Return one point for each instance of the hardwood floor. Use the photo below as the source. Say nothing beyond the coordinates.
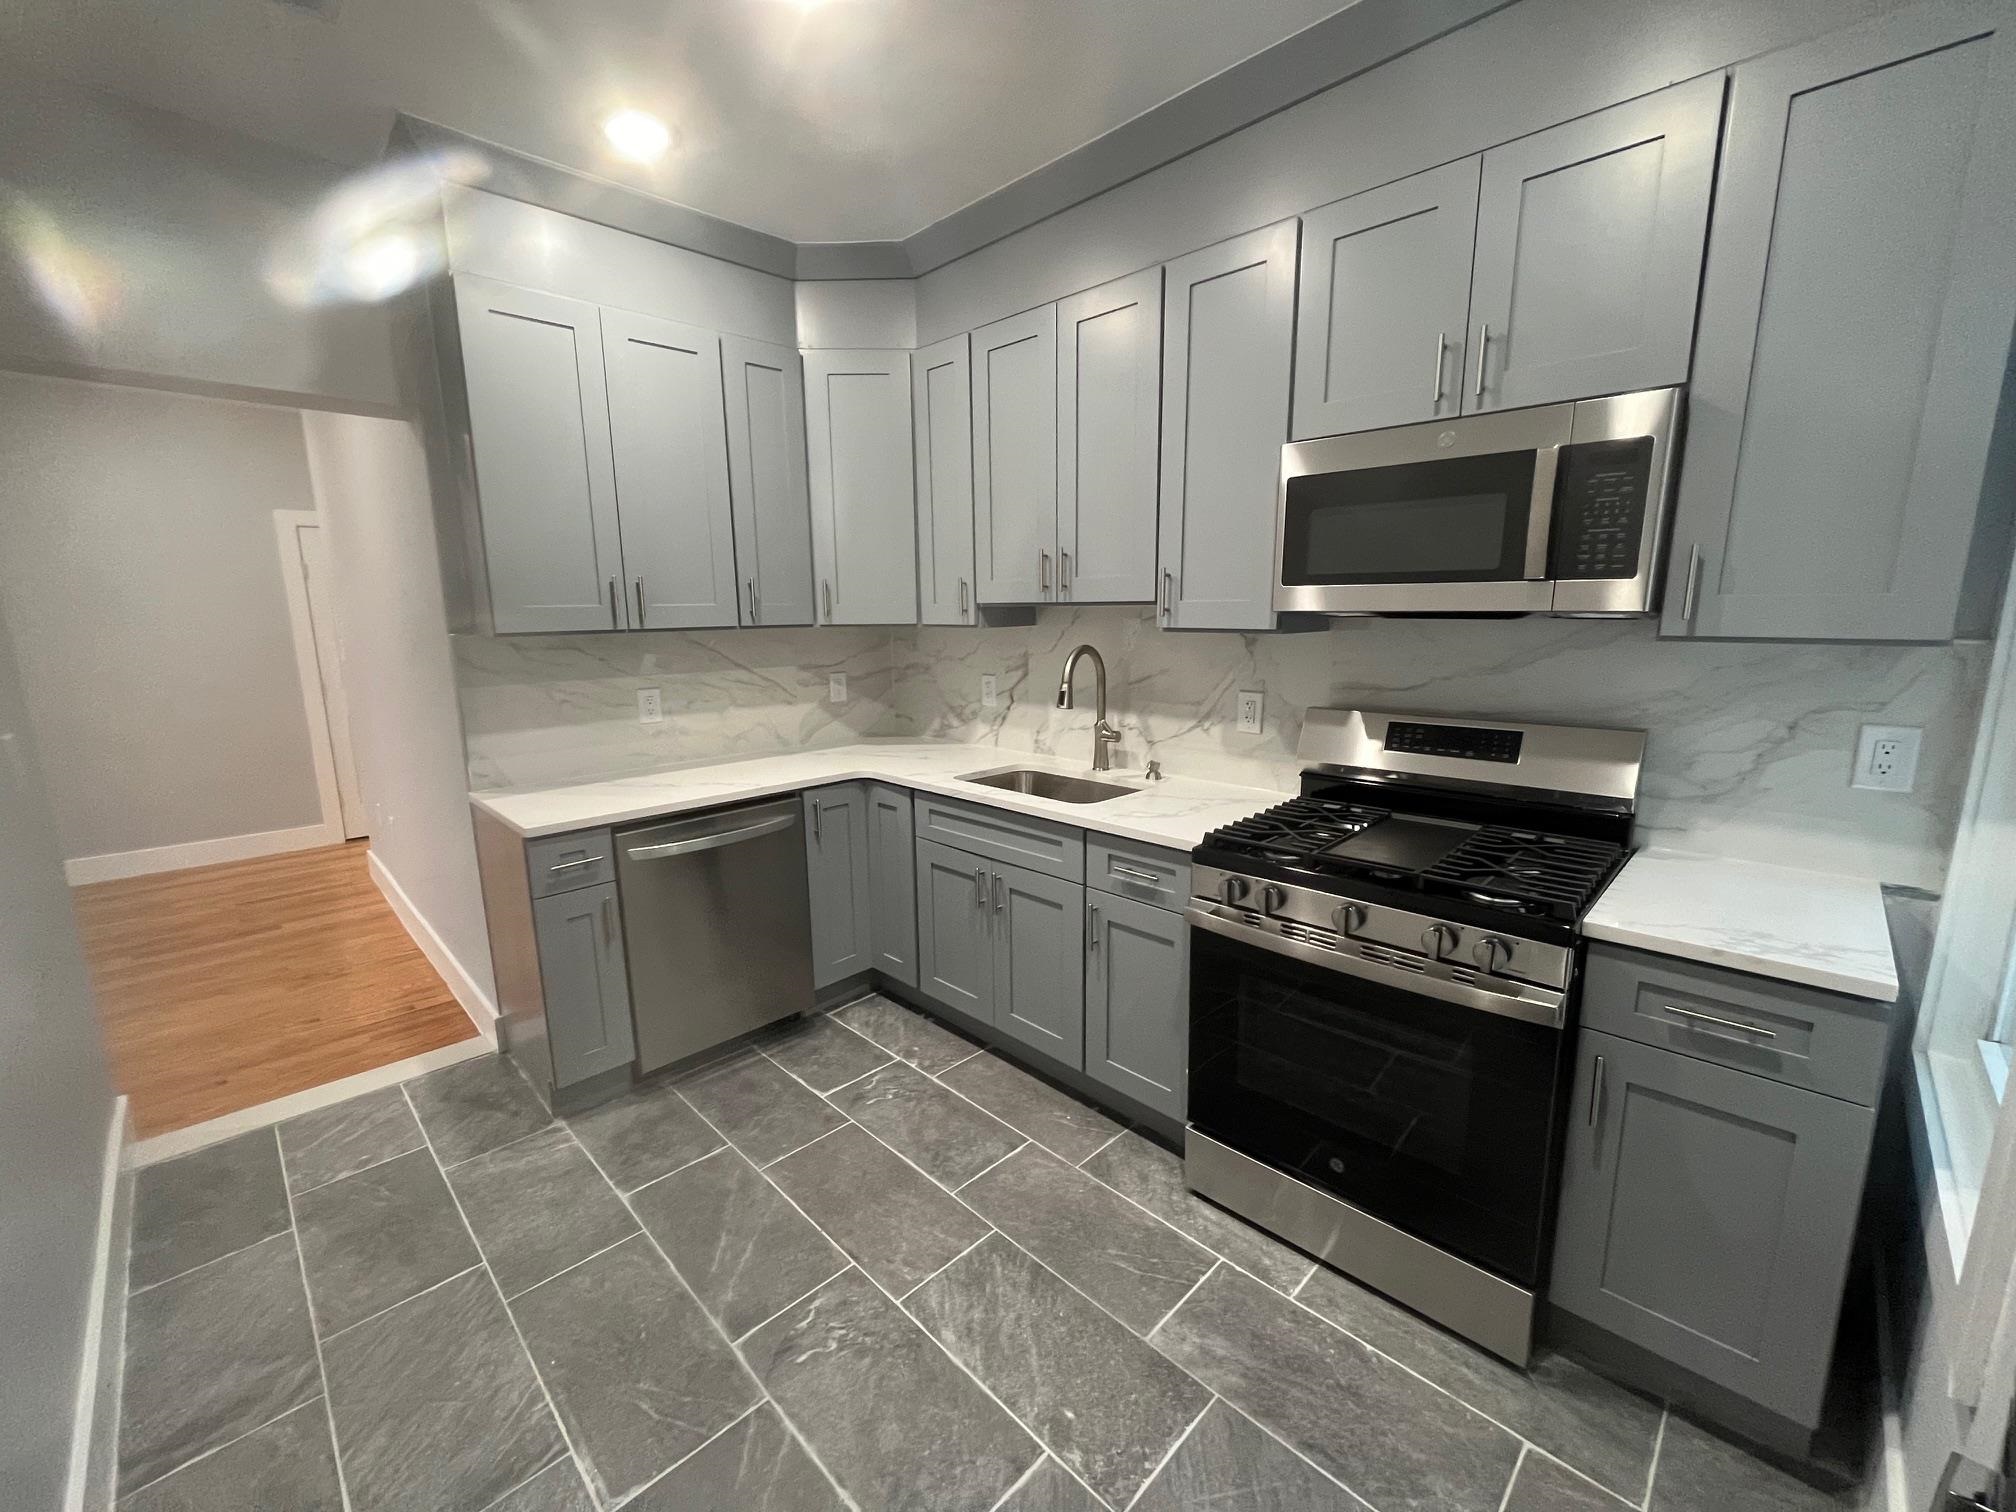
(221, 987)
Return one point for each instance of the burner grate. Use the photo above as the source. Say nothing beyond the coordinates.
(1525, 870)
(1296, 829)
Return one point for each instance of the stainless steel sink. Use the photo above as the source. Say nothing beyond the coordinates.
(1049, 785)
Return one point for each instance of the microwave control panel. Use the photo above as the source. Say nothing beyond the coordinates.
(1599, 509)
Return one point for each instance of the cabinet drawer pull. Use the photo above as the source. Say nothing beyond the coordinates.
(1063, 572)
(1688, 599)
(979, 887)
(570, 865)
(1483, 347)
(1042, 570)
(1596, 1092)
(1441, 352)
(640, 603)
(1092, 932)
(818, 829)
(962, 597)
(997, 892)
(615, 609)
(1168, 594)
(1132, 874)
(1720, 1023)
(826, 594)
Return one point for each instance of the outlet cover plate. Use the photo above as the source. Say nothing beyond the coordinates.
(650, 706)
(990, 690)
(836, 687)
(1252, 711)
(1886, 758)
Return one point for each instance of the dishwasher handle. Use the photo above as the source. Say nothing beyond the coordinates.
(709, 842)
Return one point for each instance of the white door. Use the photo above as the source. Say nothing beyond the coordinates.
(318, 657)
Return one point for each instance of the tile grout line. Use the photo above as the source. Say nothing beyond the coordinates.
(369, 1166)
(1194, 1287)
(1020, 1481)
(431, 1286)
(754, 1408)
(1658, 1448)
(548, 1127)
(1080, 1164)
(1026, 1142)
(1017, 1128)
(553, 1410)
(779, 1159)
(753, 1327)
(526, 1291)
(912, 1291)
(1513, 1479)
(220, 1448)
(683, 1165)
(514, 1490)
(1327, 1475)
(141, 1291)
(315, 1334)
(1535, 1451)
(1162, 1464)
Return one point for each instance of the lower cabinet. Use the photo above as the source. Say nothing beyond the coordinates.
(1137, 1000)
(579, 935)
(836, 862)
(1039, 939)
(1707, 1215)
(955, 936)
(892, 883)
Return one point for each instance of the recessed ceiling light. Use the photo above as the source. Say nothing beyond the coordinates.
(637, 135)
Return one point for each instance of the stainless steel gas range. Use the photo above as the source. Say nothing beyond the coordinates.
(1382, 985)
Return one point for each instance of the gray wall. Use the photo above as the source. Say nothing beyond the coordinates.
(159, 230)
(55, 1106)
(371, 479)
(141, 580)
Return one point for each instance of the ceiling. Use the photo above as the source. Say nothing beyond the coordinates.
(814, 120)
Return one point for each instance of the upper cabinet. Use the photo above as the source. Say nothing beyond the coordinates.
(539, 439)
(1855, 322)
(766, 473)
(941, 414)
(1015, 458)
(858, 443)
(1228, 329)
(1559, 266)
(1109, 406)
(671, 458)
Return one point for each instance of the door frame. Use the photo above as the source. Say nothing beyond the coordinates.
(338, 819)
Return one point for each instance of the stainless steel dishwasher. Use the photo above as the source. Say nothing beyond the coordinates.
(717, 926)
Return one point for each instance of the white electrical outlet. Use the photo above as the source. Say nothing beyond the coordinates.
(650, 706)
(990, 690)
(1252, 709)
(1886, 758)
(836, 687)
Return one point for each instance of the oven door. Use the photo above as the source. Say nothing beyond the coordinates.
(1435, 1116)
(1446, 518)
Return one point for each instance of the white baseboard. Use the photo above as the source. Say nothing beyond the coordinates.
(475, 1002)
(94, 1430)
(139, 863)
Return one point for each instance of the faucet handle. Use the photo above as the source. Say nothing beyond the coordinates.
(1154, 772)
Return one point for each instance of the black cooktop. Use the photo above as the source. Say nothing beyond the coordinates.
(1536, 873)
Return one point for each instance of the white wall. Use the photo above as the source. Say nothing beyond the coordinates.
(141, 580)
(55, 1106)
(154, 232)
(862, 312)
(371, 481)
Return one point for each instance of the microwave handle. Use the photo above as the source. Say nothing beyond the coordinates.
(1540, 517)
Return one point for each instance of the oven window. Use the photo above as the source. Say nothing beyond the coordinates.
(1434, 1117)
(1462, 519)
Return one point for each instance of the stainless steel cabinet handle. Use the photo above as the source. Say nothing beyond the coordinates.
(1168, 594)
(1042, 570)
(609, 921)
(640, 603)
(1092, 931)
(570, 865)
(1134, 875)
(962, 596)
(1483, 346)
(1063, 572)
(1596, 1092)
(752, 600)
(615, 609)
(1441, 351)
(818, 830)
(1687, 599)
(710, 842)
(979, 887)
(1721, 1023)
(826, 594)
(997, 892)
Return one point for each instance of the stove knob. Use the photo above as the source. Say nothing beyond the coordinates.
(1348, 917)
(1491, 952)
(1272, 898)
(1233, 889)
(1438, 938)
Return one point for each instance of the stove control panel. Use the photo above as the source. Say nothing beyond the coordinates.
(1471, 742)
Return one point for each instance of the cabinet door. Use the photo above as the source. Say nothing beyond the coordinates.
(1015, 458)
(1109, 408)
(955, 930)
(1039, 943)
(1381, 304)
(766, 478)
(670, 439)
(539, 423)
(1707, 1215)
(1589, 244)
(892, 882)
(1228, 329)
(941, 396)
(1137, 1000)
(836, 846)
(586, 986)
(864, 506)
(1854, 325)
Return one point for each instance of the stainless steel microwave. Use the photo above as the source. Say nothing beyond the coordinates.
(1558, 509)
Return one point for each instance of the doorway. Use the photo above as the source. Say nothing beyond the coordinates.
(311, 609)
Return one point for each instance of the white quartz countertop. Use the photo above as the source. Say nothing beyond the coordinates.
(1813, 928)
(1176, 811)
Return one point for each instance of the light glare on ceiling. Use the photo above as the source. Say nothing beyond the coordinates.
(637, 135)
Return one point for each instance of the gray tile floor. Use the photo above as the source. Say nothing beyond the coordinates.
(861, 1264)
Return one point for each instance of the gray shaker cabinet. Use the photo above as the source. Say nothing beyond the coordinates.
(1228, 331)
(1855, 324)
(1039, 941)
(1383, 302)
(1015, 458)
(669, 438)
(955, 930)
(1589, 247)
(941, 397)
(836, 854)
(580, 942)
(765, 401)
(864, 506)
(1707, 1215)
(892, 882)
(1109, 405)
(539, 439)
(1137, 1002)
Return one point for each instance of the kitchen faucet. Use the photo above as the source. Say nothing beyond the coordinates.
(1103, 734)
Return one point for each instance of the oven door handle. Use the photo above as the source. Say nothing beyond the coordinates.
(1541, 1005)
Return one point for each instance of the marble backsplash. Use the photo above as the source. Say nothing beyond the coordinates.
(1748, 754)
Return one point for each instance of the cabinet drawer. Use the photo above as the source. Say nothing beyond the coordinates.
(561, 863)
(1792, 1034)
(1129, 869)
(1056, 850)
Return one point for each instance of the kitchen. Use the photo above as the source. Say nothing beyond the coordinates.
(1315, 789)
